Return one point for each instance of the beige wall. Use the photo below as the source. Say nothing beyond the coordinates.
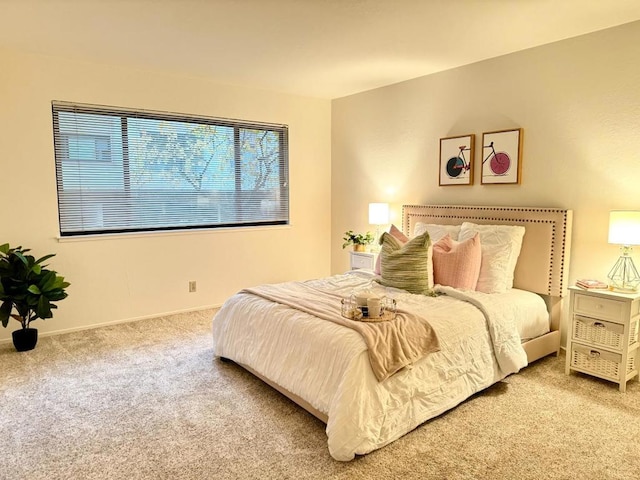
(125, 278)
(578, 102)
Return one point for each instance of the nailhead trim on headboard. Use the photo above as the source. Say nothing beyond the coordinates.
(558, 242)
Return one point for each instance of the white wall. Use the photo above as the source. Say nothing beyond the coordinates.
(124, 278)
(578, 102)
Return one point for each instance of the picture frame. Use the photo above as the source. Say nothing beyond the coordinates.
(456, 160)
(502, 157)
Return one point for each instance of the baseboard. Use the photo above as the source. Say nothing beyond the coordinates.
(116, 322)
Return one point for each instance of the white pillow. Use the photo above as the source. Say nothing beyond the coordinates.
(436, 232)
(501, 246)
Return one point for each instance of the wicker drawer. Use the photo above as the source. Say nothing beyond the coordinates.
(599, 362)
(603, 333)
(598, 307)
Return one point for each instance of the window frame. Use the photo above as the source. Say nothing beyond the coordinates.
(62, 138)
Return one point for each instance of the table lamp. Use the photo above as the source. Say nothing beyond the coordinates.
(624, 230)
(378, 215)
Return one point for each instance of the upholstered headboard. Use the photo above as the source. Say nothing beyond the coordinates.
(544, 258)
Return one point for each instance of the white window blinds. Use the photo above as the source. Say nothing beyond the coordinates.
(120, 170)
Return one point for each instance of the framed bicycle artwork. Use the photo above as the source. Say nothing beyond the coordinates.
(456, 160)
(502, 157)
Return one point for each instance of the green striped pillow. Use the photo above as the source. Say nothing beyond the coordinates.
(406, 266)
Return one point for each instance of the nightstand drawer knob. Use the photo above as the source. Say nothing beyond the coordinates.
(594, 354)
(599, 325)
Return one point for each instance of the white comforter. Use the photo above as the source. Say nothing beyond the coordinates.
(327, 364)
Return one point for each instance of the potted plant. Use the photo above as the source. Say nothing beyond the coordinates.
(358, 240)
(27, 292)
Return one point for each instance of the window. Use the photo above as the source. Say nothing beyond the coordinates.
(120, 170)
(86, 147)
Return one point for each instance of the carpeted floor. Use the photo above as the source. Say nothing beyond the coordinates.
(146, 400)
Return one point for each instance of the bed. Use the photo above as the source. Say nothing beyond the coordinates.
(483, 337)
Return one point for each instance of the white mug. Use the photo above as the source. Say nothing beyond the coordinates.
(374, 304)
(361, 298)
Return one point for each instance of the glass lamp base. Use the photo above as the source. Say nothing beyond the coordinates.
(624, 275)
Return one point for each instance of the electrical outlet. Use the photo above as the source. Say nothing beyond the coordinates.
(192, 286)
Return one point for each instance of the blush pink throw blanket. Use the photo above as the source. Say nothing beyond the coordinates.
(391, 345)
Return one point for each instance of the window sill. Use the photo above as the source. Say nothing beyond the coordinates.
(169, 233)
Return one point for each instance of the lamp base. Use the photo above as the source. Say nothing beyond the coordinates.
(376, 243)
(624, 275)
(613, 288)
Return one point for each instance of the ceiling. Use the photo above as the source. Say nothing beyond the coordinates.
(317, 48)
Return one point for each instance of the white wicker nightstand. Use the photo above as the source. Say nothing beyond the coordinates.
(358, 260)
(603, 340)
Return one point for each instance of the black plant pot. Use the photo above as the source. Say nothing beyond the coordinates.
(25, 339)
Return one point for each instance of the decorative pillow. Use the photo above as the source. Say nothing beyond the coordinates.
(457, 264)
(436, 232)
(500, 250)
(407, 266)
(398, 235)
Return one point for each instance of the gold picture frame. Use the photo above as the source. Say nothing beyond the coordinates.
(502, 157)
(456, 160)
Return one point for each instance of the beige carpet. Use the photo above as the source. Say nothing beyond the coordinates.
(146, 400)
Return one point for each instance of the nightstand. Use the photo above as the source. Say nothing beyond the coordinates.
(358, 260)
(603, 340)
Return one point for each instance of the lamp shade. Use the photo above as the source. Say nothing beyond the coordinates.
(624, 227)
(378, 213)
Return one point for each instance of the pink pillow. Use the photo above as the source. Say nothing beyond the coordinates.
(457, 264)
(398, 235)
